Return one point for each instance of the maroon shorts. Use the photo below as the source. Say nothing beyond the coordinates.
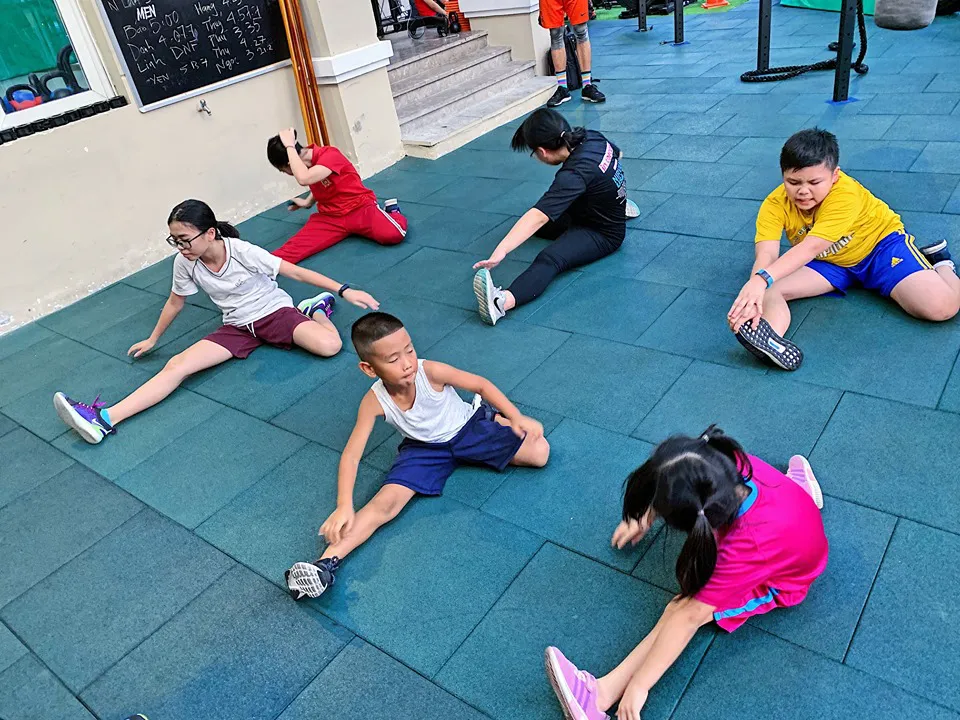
(275, 329)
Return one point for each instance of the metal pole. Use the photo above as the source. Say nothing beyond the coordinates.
(841, 80)
(763, 36)
(378, 18)
(677, 22)
(642, 15)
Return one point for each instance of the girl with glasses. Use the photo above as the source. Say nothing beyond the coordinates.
(241, 279)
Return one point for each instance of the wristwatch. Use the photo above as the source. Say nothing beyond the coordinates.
(768, 278)
(343, 289)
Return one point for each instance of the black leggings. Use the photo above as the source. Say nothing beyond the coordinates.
(572, 247)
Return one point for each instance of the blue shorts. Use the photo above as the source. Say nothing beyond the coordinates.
(425, 467)
(894, 258)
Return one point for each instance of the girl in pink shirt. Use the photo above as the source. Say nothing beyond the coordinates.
(755, 541)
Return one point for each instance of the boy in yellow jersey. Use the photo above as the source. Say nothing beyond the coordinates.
(841, 236)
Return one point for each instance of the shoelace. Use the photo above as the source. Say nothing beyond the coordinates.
(94, 406)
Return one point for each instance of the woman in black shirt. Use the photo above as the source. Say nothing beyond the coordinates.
(583, 212)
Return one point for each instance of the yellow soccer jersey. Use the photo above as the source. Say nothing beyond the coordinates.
(850, 217)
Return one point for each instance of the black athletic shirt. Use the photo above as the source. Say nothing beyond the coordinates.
(590, 187)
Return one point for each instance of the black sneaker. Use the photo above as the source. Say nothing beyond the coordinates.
(629, 15)
(937, 253)
(766, 345)
(559, 97)
(311, 579)
(591, 93)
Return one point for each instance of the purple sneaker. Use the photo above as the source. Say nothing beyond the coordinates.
(576, 689)
(324, 301)
(87, 420)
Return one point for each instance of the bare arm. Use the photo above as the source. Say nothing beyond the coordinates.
(436, 7)
(304, 175)
(682, 619)
(766, 252)
(171, 309)
(443, 374)
(522, 231)
(356, 297)
(341, 519)
(796, 257)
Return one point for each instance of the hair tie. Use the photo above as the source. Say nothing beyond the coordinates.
(562, 133)
(700, 512)
(705, 438)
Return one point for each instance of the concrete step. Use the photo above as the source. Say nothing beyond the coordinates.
(442, 131)
(458, 98)
(411, 57)
(471, 71)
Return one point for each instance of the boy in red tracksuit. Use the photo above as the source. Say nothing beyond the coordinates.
(344, 205)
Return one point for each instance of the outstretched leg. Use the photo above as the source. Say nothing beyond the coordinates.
(94, 421)
(382, 508)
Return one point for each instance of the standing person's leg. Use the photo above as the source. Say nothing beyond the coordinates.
(95, 421)
(552, 17)
(320, 232)
(579, 12)
(575, 247)
(375, 223)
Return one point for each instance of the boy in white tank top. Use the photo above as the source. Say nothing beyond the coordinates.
(441, 431)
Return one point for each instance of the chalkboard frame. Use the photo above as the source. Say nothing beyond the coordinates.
(108, 26)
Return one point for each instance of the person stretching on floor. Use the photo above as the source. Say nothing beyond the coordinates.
(553, 15)
(345, 206)
(441, 431)
(584, 212)
(842, 237)
(240, 278)
(755, 542)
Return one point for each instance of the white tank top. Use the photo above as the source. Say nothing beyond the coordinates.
(435, 417)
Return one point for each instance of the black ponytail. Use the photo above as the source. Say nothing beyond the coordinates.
(198, 214)
(692, 484)
(227, 230)
(547, 129)
(698, 557)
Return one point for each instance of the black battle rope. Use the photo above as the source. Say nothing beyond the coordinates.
(791, 71)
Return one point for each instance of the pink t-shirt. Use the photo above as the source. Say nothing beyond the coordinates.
(770, 555)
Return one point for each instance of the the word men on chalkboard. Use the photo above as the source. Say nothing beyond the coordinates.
(174, 47)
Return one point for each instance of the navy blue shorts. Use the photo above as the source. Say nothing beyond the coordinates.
(894, 258)
(425, 467)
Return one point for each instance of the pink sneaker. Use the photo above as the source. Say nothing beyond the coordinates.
(802, 474)
(576, 689)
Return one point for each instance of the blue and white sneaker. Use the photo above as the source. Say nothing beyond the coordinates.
(311, 579)
(938, 254)
(324, 301)
(86, 420)
(633, 210)
(391, 206)
(490, 298)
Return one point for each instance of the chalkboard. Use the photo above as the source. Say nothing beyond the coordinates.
(176, 47)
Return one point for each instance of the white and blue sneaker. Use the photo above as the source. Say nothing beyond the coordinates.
(324, 301)
(633, 210)
(490, 298)
(938, 254)
(311, 580)
(391, 206)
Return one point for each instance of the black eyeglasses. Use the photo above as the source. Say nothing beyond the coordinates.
(182, 244)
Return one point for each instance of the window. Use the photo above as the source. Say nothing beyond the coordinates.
(48, 62)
